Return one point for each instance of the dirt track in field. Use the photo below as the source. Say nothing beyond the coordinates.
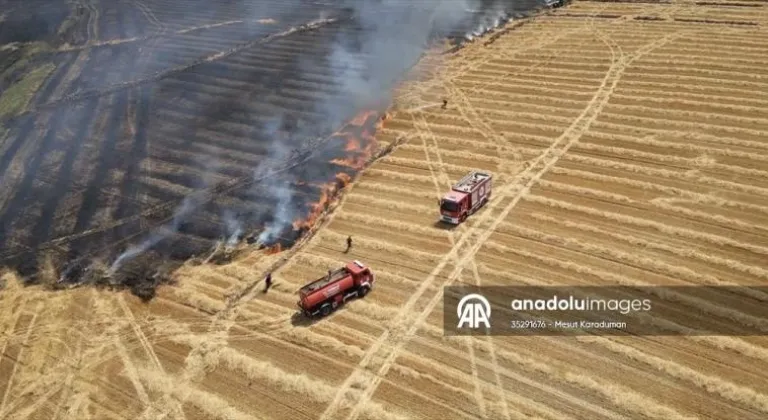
(628, 143)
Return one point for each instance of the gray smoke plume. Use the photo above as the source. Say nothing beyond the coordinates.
(187, 207)
(234, 228)
(489, 19)
(394, 35)
(367, 63)
(278, 189)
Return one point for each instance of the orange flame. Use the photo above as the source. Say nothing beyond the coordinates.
(317, 209)
(380, 122)
(360, 146)
(343, 178)
(274, 249)
(352, 145)
(362, 117)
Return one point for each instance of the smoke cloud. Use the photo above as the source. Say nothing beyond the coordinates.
(277, 189)
(186, 209)
(391, 37)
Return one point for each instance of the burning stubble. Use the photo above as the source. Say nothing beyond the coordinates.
(368, 64)
(188, 206)
(371, 45)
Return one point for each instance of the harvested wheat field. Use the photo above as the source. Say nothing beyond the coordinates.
(629, 144)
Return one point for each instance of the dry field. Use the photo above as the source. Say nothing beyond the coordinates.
(629, 147)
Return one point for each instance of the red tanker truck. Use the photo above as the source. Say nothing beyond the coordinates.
(327, 293)
(465, 197)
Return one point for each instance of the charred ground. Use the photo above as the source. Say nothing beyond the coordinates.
(117, 151)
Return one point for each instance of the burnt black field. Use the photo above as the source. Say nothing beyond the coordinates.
(148, 144)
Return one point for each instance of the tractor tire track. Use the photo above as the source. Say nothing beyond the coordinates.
(492, 351)
(146, 38)
(24, 125)
(392, 343)
(106, 161)
(3, 358)
(423, 131)
(469, 113)
(92, 26)
(131, 202)
(148, 349)
(24, 188)
(149, 16)
(122, 86)
(68, 73)
(42, 229)
(16, 359)
(194, 368)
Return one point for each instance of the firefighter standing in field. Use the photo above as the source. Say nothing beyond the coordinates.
(268, 282)
(445, 103)
(349, 244)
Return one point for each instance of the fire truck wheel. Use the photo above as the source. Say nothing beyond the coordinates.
(364, 291)
(325, 310)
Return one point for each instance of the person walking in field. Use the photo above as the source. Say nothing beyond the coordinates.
(267, 282)
(349, 244)
(445, 103)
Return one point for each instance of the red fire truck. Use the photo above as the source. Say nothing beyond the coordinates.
(327, 293)
(465, 197)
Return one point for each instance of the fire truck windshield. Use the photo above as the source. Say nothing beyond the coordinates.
(451, 206)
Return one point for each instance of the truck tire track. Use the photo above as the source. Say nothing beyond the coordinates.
(122, 86)
(42, 229)
(149, 15)
(423, 131)
(18, 357)
(514, 190)
(492, 351)
(148, 349)
(24, 189)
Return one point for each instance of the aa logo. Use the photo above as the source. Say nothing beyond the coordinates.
(474, 309)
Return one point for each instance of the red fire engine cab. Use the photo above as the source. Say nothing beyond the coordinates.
(465, 197)
(332, 290)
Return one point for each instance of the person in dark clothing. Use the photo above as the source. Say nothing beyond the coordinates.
(445, 103)
(349, 244)
(268, 282)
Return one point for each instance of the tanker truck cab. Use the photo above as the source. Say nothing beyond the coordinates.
(452, 206)
(327, 293)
